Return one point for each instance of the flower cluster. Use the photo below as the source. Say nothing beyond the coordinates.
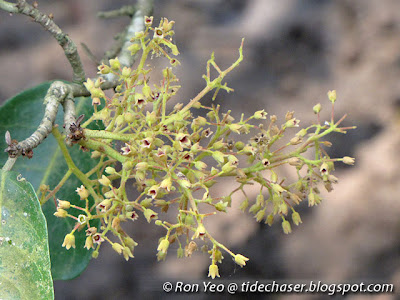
(174, 157)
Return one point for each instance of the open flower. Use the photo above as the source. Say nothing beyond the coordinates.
(126, 150)
(97, 238)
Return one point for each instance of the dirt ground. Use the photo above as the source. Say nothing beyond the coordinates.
(295, 51)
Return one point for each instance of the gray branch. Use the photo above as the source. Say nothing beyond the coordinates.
(62, 93)
(143, 8)
(58, 93)
(63, 39)
(127, 10)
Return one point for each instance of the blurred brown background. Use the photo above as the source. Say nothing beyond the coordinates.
(295, 51)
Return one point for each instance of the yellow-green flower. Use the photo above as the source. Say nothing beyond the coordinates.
(117, 248)
(82, 192)
(163, 246)
(241, 260)
(88, 242)
(61, 213)
(69, 241)
(213, 271)
(104, 180)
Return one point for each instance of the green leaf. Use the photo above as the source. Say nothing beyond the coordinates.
(21, 115)
(24, 252)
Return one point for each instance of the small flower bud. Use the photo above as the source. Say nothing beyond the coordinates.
(218, 145)
(95, 154)
(104, 69)
(332, 96)
(180, 253)
(117, 248)
(190, 248)
(239, 145)
(104, 180)
(63, 204)
(296, 218)
(295, 198)
(110, 170)
(348, 160)
(61, 213)
(286, 227)
(260, 215)
(163, 246)
(146, 90)
(129, 117)
(243, 206)
(200, 121)
(69, 241)
(115, 224)
(126, 72)
(283, 208)
(249, 150)
(115, 64)
(240, 260)
(228, 168)
(89, 84)
(317, 108)
(295, 161)
(99, 81)
(200, 165)
(313, 199)
(270, 220)
(89, 243)
(213, 271)
(302, 132)
(127, 253)
(333, 179)
(146, 203)
(289, 115)
(274, 177)
(296, 140)
(260, 199)
(142, 166)
(82, 192)
(255, 208)
(218, 156)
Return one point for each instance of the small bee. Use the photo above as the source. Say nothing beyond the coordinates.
(76, 132)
